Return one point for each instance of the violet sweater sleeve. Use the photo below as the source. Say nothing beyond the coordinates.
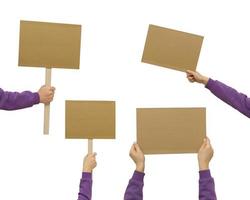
(135, 187)
(85, 191)
(230, 96)
(16, 100)
(206, 186)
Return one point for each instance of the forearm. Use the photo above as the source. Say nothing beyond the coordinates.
(230, 96)
(206, 186)
(16, 100)
(85, 191)
(134, 189)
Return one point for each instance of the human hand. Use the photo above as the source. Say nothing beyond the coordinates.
(196, 77)
(89, 162)
(46, 94)
(138, 157)
(205, 154)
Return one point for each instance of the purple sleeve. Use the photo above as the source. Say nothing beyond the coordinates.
(85, 192)
(206, 186)
(135, 186)
(230, 96)
(16, 100)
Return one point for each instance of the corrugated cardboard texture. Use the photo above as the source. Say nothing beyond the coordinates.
(90, 119)
(173, 49)
(49, 45)
(170, 130)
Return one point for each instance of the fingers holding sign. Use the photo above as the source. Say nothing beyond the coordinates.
(194, 76)
(89, 162)
(205, 154)
(46, 94)
(138, 157)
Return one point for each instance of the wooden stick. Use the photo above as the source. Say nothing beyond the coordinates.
(47, 106)
(90, 148)
(90, 145)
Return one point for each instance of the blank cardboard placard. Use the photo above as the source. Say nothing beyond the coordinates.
(171, 48)
(90, 120)
(170, 130)
(48, 45)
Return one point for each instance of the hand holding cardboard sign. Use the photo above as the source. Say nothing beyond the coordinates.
(89, 162)
(205, 154)
(138, 157)
(46, 94)
(193, 76)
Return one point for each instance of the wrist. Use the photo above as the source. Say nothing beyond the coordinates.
(39, 95)
(205, 80)
(140, 167)
(203, 166)
(87, 170)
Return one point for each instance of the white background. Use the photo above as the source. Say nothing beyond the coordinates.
(34, 166)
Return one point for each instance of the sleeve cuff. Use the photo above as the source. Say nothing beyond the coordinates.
(36, 98)
(205, 174)
(209, 84)
(86, 175)
(138, 176)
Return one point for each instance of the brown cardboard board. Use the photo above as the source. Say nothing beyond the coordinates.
(90, 120)
(171, 48)
(170, 130)
(48, 45)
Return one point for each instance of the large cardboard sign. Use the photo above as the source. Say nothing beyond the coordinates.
(170, 130)
(171, 48)
(90, 120)
(49, 45)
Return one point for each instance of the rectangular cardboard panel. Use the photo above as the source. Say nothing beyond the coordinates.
(170, 130)
(43, 44)
(90, 119)
(171, 48)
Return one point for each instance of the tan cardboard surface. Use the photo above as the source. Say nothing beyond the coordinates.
(90, 119)
(171, 48)
(170, 130)
(43, 44)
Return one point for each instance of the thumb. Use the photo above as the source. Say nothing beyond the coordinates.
(190, 72)
(204, 143)
(208, 143)
(53, 88)
(137, 147)
(132, 149)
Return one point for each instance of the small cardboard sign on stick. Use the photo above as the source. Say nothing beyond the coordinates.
(90, 120)
(49, 45)
(170, 130)
(171, 48)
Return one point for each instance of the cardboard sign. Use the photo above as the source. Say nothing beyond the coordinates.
(49, 45)
(90, 119)
(171, 48)
(170, 130)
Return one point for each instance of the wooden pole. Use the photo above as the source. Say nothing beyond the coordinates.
(47, 106)
(90, 145)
